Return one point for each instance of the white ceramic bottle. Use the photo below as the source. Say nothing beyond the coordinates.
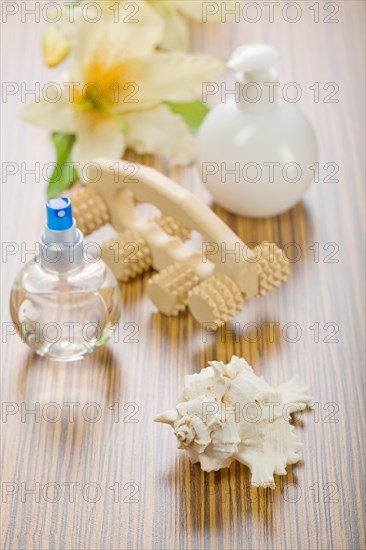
(255, 149)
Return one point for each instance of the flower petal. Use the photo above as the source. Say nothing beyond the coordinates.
(161, 132)
(203, 11)
(190, 8)
(176, 76)
(56, 116)
(55, 46)
(97, 135)
(176, 33)
(122, 29)
(135, 30)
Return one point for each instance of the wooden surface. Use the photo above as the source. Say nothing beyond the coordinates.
(147, 493)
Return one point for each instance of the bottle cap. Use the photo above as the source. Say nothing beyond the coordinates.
(61, 241)
(59, 214)
(253, 61)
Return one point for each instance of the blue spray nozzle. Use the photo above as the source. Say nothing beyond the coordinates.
(59, 214)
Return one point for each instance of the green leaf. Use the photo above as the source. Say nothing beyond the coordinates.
(192, 113)
(64, 173)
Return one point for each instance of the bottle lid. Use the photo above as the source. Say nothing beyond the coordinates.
(61, 241)
(253, 62)
(59, 214)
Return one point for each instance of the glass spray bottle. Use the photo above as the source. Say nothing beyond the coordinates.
(64, 305)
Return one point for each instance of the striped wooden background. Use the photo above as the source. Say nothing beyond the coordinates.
(120, 482)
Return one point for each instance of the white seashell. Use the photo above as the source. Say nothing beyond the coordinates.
(229, 413)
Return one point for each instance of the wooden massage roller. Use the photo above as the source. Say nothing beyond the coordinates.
(213, 286)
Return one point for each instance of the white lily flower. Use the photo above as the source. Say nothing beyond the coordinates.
(119, 86)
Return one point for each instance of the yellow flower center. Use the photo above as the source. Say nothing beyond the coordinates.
(106, 88)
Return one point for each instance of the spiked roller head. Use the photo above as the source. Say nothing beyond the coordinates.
(171, 227)
(215, 300)
(89, 210)
(169, 289)
(273, 267)
(127, 255)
